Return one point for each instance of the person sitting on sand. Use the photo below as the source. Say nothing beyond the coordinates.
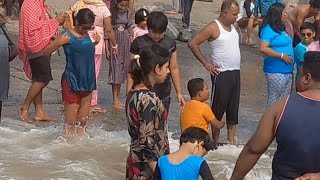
(188, 162)
(78, 80)
(246, 20)
(197, 113)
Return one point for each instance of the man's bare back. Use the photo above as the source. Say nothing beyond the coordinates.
(298, 15)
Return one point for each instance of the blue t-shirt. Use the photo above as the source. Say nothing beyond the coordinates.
(189, 169)
(80, 66)
(299, 52)
(263, 6)
(280, 43)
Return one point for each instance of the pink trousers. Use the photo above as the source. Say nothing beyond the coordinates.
(97, 60)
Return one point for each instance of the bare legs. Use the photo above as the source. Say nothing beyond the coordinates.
(231, 134)
(116, 96)
(34, 95)
(252, 22)
(76, 117)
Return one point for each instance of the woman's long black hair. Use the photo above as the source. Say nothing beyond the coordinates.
(274, 18)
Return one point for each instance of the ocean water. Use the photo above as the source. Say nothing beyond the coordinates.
(29, 152)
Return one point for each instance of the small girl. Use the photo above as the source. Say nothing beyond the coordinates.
(78, 80)
(140, 19)
(118, 67)
(146, 115)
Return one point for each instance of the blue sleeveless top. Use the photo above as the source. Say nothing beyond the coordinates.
(80, 65)
(298, 138)
(188, 169)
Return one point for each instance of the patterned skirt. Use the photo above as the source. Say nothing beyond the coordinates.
(137, 170)
(279, 86)
(119, 62)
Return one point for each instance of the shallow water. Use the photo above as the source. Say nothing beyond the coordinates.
(30, 152)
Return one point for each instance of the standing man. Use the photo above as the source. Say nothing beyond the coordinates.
(35, 33)
(294, 122)
(262, 6)
(224, 66)
(186, 9)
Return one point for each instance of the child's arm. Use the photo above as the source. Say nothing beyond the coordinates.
(205, 172)
(217, 124)
(54, 45)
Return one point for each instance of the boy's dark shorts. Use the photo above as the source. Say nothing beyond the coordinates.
(41, 69)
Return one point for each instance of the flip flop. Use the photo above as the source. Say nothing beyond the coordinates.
(97, 109)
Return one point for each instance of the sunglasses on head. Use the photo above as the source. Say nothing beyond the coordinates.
(87, 27)
(306, 34)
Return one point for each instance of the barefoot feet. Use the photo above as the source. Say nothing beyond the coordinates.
(42, 117)
(118, 105)
(24, 116)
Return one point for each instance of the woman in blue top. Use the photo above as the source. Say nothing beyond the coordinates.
(78, 80)
(276, 45)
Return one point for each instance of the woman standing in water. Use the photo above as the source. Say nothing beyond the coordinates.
(78, 80)
(146, 115)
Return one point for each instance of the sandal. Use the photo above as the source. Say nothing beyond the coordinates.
(97, 109)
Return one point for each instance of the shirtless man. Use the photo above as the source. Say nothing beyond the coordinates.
(297, 16)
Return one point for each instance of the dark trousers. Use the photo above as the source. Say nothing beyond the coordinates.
(0, 109)
(186, 9)
(9, 4)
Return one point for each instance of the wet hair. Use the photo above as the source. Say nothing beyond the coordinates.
(84, 16)
(308, 25)
(193, 134)
(114, 10)
(140, 15)
(274, 18)
(314, 3)
(226, 4)
(149, 58)
(194, 86)
(157, 22)
(311, 65)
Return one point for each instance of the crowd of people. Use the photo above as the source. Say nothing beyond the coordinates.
(144, 58)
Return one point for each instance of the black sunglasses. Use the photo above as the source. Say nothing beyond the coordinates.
(304, 34)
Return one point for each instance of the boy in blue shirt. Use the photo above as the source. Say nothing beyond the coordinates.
(307, 31)
(188, 161)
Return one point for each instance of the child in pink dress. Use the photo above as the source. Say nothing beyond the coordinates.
(140, 19)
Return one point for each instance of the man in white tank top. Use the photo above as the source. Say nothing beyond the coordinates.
(224, 66)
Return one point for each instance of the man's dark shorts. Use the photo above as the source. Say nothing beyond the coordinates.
(41, 69)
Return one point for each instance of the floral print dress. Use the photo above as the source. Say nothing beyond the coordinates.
(148, 129)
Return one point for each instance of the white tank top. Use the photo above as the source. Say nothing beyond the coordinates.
(226, 50)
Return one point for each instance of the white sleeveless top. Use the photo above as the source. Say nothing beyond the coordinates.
(226, 50)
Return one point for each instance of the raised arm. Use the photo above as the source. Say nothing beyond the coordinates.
(54, 45)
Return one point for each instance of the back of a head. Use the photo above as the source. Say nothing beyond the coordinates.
(194, 86)
(193, 134)
(314, 4)
(307, 25)
(311, 65)
(85, 16)
(148, 59)
(226, 5)
(140, 15)
(157, 22)
(274, 17)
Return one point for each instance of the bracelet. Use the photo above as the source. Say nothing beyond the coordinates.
(114, 47)
(281, 57)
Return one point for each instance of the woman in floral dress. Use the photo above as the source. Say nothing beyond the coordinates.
(146, 115)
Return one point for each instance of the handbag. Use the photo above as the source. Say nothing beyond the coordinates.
(13, 48)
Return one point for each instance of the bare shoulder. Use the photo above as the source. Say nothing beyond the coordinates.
(303, 11)
(213, 30)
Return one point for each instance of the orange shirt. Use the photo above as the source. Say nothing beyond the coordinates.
(197, 114)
